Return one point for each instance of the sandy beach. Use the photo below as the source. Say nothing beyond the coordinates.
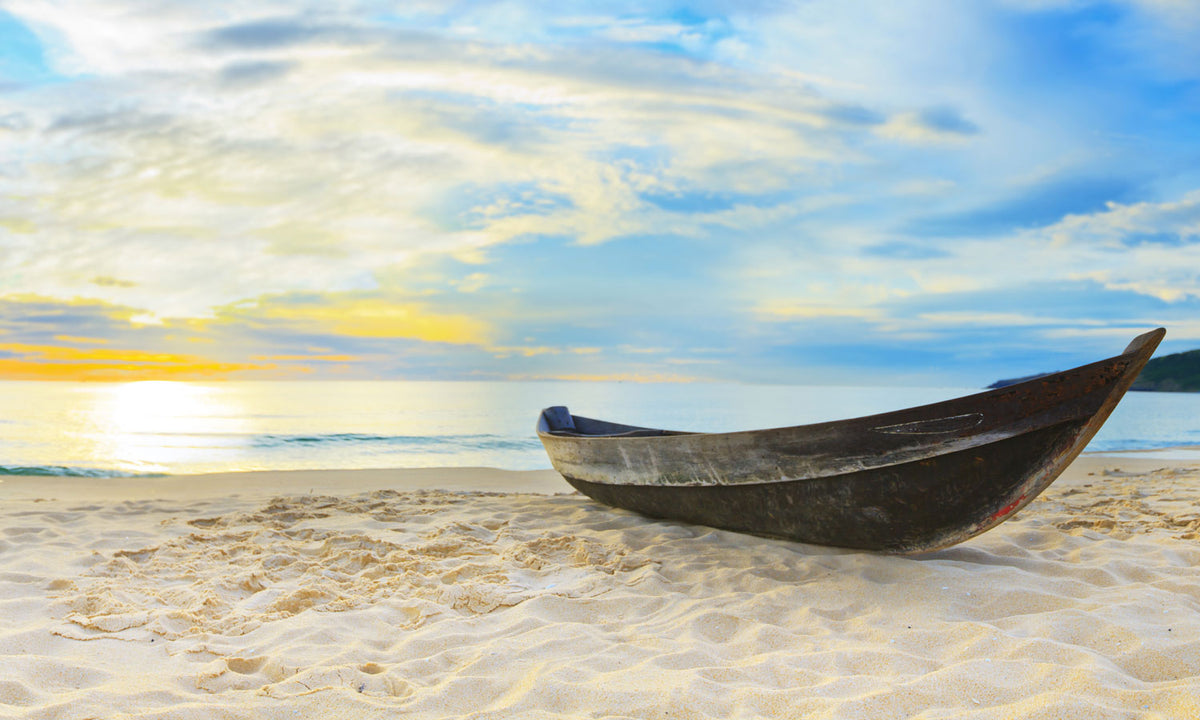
(491, 594)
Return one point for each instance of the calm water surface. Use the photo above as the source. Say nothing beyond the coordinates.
(172, 427)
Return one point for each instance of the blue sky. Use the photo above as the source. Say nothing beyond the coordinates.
(926, 192)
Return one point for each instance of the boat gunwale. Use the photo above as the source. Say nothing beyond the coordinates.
(1136, 347)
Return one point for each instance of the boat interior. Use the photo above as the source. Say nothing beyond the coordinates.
(558, 420)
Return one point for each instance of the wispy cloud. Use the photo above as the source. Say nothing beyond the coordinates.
(936, 125)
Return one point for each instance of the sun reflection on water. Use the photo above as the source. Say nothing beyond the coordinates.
(150, 426)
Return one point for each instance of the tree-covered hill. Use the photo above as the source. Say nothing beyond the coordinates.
(1171, 373)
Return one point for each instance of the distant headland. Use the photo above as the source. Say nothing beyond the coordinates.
(1170, 373)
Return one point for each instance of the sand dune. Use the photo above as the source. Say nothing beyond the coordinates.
(373, 594)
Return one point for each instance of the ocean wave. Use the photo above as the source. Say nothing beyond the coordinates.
(1140, 444)
(427, 443)
(65, 471)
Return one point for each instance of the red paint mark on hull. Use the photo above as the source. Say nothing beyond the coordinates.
(1008, 508)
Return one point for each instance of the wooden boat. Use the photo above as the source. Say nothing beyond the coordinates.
(906, 481)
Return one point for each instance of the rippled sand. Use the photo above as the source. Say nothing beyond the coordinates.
(371, 594)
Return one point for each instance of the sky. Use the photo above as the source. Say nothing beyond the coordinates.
(811, 192)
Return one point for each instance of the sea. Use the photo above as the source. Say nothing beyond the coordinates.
(164, 428)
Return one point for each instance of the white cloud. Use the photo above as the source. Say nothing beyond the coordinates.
(207, 154)
(1136, 224)
(971, 319)
(1149, 248)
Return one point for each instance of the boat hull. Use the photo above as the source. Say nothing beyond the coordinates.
(909, 481)
(904, 508)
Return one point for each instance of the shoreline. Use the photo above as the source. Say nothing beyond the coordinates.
(1178, 452)
(260, 483)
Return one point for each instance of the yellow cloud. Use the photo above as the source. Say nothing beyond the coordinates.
(371, 317)
(17, 225)
(306, 358)
(296, 238)
(523, 350)
(112, 312)
(53, 362)
(74, 340)
(793, 311)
